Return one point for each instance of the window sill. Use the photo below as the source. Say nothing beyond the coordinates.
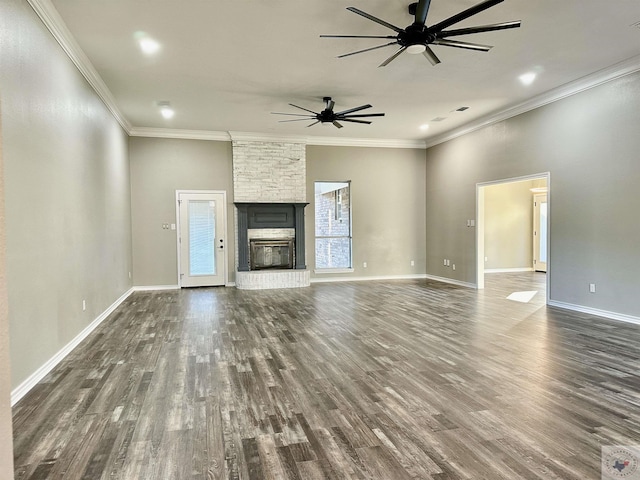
(320, 271)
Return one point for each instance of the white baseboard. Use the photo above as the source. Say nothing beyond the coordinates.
(595, 311)
(22, 389)
(508, 270)
(364, 279)
(149, 288)
(452, 281)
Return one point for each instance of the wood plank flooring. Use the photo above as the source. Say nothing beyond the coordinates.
(371, 380)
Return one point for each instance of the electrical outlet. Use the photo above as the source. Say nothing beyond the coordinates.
(448, 263)
(413, 263)
(364, 264)
(84, 305)
(129, 275)
(454, 266)
(592, 288)
(445, 262)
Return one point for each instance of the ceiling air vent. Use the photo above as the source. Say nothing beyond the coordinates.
(438, 119)
(462, 109)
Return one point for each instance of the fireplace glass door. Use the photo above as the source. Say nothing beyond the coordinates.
(276, 254)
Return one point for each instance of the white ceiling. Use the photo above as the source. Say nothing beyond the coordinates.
(225, 65)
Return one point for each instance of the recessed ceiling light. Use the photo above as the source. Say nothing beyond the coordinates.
(527, 78)
(148, 45)
(165, 110)
(424, 127)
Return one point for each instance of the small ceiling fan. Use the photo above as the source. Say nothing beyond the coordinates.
(417, 37)
(329, 116)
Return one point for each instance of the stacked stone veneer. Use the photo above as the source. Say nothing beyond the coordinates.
(269, 172)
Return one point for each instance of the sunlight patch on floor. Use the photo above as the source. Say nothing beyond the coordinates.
(524, 297)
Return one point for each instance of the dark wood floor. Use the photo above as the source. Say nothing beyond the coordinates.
(374, 380)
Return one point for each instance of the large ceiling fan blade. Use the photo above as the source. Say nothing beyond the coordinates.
(467, 45)
(354, 121)
(358, 36)
(355, 109)
(374, 19)
(463, 15)
(362, 115)
(295, 120)
(293, 114)
(432, 57)
(366, 50)
(479, 29)
(392, 57)
(421, 11)
(312, 124)
(337, 125)
(302, 108)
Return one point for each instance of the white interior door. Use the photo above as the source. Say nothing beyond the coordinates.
(202, 238)
(540, 207)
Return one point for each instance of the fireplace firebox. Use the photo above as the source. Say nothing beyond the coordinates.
(271, 216)
(271, 253)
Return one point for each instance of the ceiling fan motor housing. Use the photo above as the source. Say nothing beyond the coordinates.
(415, 35)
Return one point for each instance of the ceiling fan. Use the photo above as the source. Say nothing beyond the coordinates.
(329, 116)
(417, 37)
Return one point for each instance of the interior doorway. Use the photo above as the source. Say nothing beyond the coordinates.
(540, 208)
(202, 235)
(512, 221)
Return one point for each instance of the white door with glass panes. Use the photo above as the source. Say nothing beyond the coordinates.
(202, 238)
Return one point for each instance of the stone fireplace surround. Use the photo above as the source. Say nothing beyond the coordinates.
(269, 183)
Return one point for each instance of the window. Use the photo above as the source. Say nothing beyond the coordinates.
(333, 225)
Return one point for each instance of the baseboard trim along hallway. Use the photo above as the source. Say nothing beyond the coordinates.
(596, 311)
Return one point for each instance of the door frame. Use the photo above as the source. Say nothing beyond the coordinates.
(536, 224)
(225, 267)
(480, 225)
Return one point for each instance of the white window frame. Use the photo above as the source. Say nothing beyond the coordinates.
(322, 270)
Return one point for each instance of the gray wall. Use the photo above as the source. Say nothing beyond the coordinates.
(388, 206)
(6, 437)
(508, 225)
(67, 194)
(159, 167)
(589, 143)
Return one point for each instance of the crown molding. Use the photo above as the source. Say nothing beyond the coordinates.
(54, 23)
(266, 137)
(587, 82)
(179, 134)
(366, 142)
